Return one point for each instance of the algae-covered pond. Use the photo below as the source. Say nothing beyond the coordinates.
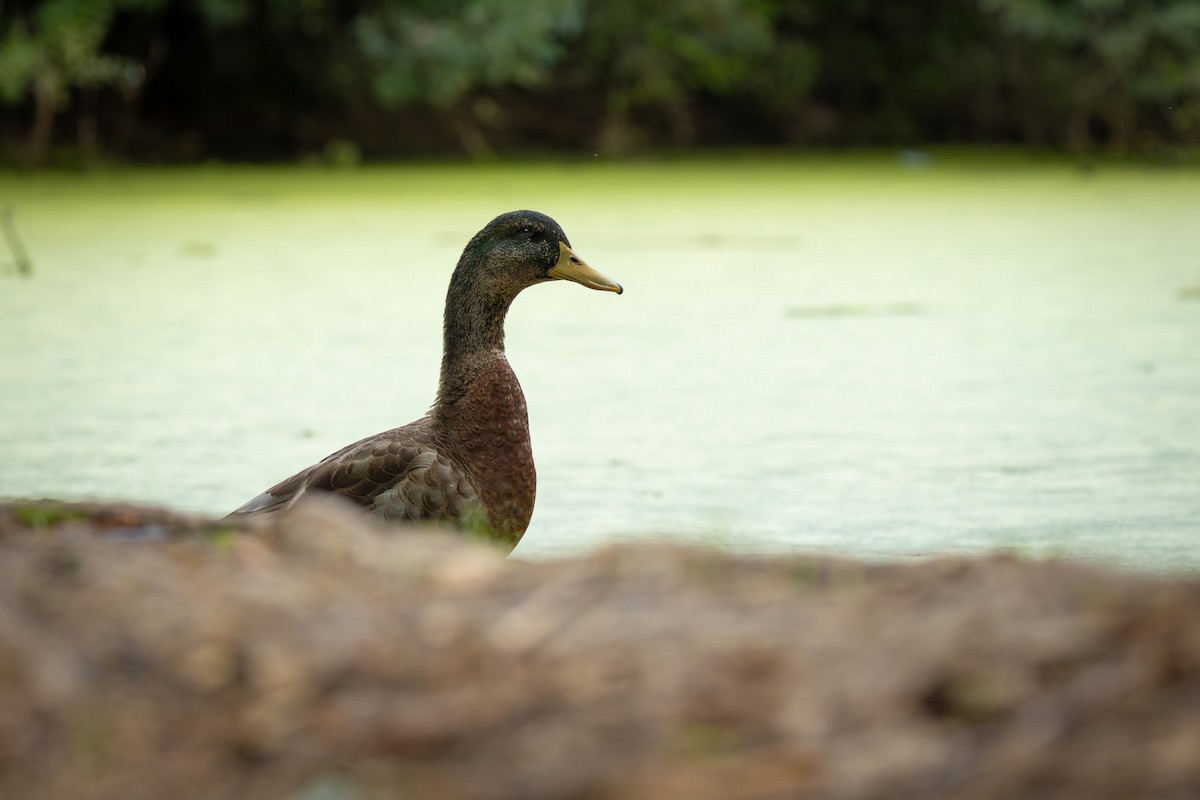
(836, 355)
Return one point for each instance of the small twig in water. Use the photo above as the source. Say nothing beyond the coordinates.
(20, 255)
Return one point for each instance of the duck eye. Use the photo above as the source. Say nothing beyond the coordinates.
(527, 232)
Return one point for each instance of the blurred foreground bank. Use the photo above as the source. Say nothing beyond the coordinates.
(144, 654)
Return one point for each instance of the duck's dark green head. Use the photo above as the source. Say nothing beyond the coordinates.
(521, 248)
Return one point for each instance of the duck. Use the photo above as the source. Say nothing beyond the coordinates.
(469, 461)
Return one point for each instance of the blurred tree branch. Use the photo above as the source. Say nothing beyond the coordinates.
(52, 49)
(285, 77)
(1107, 62)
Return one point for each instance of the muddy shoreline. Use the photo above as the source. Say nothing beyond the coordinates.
(150, 654)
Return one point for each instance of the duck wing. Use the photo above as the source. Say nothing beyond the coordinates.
(398, 475)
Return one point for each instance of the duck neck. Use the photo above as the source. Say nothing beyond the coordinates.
(473, 334)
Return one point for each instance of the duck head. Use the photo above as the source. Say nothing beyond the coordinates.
(522, 248)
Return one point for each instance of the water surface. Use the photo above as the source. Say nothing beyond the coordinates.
(844, 357)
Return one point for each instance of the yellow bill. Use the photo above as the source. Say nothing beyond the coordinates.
(571, 267)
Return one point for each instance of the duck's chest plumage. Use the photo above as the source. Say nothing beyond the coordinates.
(486, 430)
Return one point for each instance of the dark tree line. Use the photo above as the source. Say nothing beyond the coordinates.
(158, 80)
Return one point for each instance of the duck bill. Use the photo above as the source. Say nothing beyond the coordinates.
(571, 267)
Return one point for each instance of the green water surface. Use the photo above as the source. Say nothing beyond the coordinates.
(841, 355)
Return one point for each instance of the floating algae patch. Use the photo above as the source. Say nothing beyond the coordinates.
(840, 310)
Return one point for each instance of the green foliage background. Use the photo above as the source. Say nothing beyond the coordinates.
(280, 79)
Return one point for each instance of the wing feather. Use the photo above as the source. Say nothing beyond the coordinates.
(398, 475)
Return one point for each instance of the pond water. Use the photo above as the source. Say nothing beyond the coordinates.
(810, 355)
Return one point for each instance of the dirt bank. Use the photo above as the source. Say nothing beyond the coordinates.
(147, 655)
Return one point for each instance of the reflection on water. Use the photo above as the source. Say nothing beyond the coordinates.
(807, 357)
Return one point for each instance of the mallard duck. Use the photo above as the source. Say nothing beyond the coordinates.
(468, 461)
